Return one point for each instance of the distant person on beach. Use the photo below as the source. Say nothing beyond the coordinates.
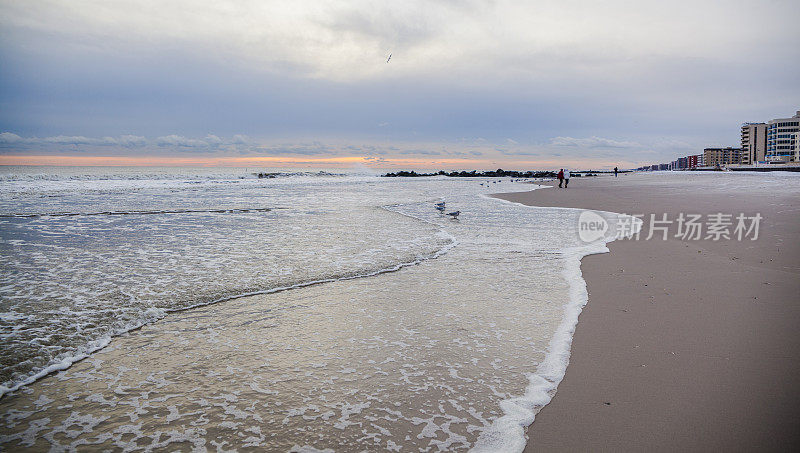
(566, 178)
(615, 171)
(560, 177)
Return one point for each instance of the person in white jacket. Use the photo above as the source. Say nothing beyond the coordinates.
(566, 178)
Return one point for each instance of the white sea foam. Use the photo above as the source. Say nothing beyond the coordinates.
(461, 333)
(135, 268)
(151, 315)
(507, 433)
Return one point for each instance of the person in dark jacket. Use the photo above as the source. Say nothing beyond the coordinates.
(560, 177)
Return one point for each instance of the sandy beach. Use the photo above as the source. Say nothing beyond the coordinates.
(684, 345)
(331, 227)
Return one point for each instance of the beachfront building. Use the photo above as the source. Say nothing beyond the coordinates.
(720, 157)
(796, 150)
(713, 157)
(687, 162)
(782, 139)
(754, 142)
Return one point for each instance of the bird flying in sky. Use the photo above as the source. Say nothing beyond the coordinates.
(390, 57)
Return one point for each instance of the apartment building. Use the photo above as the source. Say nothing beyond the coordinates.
(754, 142)
(782, 139)
(720, 157)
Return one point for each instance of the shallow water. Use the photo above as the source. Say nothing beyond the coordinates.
(415, 359)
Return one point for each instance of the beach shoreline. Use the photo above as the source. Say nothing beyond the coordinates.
(649, 367)
(683, 345)
(324, 366)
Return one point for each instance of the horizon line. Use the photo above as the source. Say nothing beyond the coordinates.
(289, 162)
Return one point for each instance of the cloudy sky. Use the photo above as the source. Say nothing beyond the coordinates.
(470, 84)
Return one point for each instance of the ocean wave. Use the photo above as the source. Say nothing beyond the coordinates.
(28, 174)
(158, 211)
(129, 293)
(507, 433)
(153, 314)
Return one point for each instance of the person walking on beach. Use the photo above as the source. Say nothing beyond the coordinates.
(566, 179)
(615, 172)
(560, 177)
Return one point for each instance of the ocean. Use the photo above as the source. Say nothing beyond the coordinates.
(191, 309)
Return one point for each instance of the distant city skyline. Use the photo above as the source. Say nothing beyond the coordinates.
(474, 84)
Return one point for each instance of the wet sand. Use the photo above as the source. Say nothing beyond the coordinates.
(684, 345)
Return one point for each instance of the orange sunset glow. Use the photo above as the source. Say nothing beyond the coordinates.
(293, 162)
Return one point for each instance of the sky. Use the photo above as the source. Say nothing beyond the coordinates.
(470, 84)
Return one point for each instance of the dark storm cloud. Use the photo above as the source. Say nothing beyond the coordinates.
(572, 78)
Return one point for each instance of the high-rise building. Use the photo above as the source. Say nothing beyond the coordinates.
(754, 142)
(796, 150)
(719, 157)
(782, 139)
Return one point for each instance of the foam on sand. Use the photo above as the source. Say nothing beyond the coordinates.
(426, 358)
(507, 433)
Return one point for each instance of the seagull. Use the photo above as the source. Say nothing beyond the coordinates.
(390, 57)
(454, 214)
(439, 206)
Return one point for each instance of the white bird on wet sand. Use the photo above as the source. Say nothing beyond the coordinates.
(439, 206)
(454, 214)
